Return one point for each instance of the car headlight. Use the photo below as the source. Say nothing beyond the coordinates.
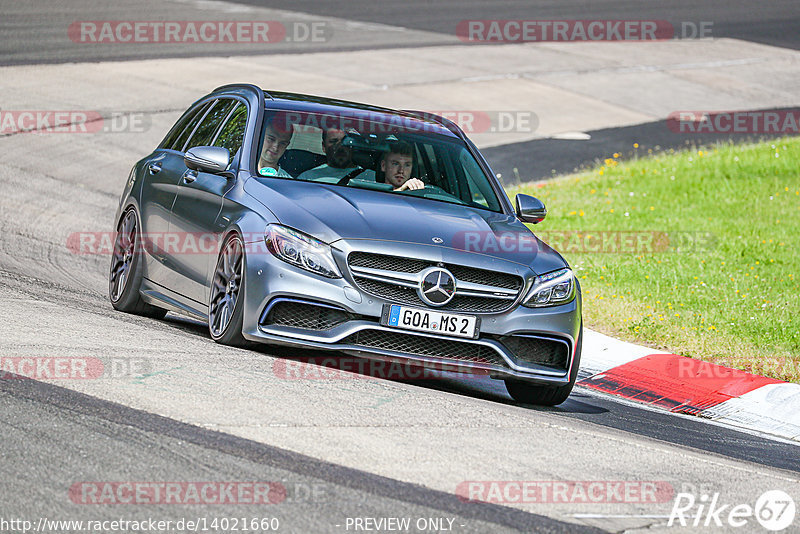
(551, 289)
(301, 250)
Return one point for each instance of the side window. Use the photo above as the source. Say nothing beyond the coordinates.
(192, 121)
(205, 132)
(232, 133)
(178, 128)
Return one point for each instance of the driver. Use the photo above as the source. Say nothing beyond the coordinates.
(397, 166)
(339, 160)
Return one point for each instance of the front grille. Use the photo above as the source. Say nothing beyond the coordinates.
(390, 291)
(426, 346)
(405, 295)
(480, 276)
(387, 263)
(411, 265)
(305, 315)
(541, 351)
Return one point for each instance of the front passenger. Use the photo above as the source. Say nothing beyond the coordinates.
(277, 135)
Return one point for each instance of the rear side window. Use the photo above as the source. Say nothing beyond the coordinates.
(232, 133)
(211, 123)
(191, 122)
(178, 128)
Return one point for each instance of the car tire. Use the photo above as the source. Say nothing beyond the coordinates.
(226, 298)
(528, 393)
(125, 273)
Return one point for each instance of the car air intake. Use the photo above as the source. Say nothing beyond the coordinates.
(426, 346)
(538, 350)
(307, 315)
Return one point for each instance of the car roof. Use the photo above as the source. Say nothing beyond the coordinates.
(419, 120)
(319, 104)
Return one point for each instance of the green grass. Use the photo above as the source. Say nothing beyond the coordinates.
(711, 269)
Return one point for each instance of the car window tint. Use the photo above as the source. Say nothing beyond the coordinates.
(180, 141)
(178, 128)
(211, 122)
(232, 133)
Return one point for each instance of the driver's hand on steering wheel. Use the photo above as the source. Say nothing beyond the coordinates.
(412, 183)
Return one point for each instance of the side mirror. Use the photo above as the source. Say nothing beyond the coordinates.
(213, 159)
(530, 209)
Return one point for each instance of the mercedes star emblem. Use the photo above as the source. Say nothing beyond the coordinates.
(436, 286)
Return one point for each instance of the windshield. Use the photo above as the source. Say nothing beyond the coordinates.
(391, 158)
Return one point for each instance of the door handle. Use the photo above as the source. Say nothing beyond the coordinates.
(154, 168)
(189, 176)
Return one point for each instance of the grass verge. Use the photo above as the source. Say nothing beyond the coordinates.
(694, 252)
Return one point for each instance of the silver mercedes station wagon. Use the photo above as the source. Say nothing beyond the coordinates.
(317, 223)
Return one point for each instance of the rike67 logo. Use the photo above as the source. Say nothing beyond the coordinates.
(774, 510)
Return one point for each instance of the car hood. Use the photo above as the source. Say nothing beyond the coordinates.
(331, 213)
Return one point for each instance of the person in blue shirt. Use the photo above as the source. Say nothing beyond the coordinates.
(277, 135)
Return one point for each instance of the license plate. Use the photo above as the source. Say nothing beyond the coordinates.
(448, 324)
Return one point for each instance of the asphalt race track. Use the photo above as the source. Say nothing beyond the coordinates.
(179, 408)
(34, 31)
(774, 23)
(547, 157)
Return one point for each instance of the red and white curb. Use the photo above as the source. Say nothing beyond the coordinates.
(685, 385)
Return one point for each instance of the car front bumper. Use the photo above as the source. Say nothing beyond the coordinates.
(270, 281)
